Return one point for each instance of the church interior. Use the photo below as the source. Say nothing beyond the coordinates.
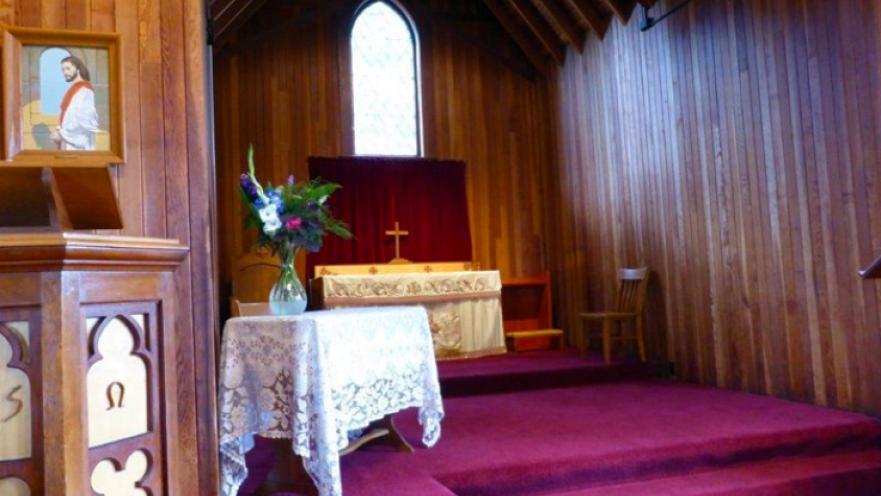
(440, 247)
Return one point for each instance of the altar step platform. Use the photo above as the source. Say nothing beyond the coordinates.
(601, 436)
(524, 371)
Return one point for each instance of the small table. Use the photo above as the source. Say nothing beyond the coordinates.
(313, 378)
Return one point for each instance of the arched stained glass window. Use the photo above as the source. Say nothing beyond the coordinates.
(385, 82)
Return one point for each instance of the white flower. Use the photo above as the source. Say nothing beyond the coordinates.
(271, 222)
(322, 200)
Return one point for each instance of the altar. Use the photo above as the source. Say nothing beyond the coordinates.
(464, 307)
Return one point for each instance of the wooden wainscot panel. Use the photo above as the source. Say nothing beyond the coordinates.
(13, 486)
(19, 289)
(114, 478)
(125, 396)
(21, 439)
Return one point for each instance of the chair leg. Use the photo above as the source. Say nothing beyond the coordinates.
(585, 330)
(607, 340)
(640, 338)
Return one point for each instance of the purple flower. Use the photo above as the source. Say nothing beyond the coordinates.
(275, 199)
(248, 187)
(291, 180)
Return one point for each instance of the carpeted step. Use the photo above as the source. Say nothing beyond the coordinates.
(534, 370)
(852, 474)
(566, 439)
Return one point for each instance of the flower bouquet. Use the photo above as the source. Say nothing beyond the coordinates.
(288, 218)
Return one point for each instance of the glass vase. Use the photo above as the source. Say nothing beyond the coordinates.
(288, 297)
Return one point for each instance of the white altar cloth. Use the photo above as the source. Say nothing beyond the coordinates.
(314, 377)
(464, 308)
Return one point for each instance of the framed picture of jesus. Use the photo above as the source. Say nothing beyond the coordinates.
(62, 97)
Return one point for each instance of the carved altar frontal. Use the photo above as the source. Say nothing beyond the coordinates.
(464, 307)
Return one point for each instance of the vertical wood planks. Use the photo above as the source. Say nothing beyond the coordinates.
(735, 150)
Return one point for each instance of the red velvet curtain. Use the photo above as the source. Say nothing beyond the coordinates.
(427, 198)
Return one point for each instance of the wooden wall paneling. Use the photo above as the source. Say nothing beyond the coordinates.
(28, 14)
(177, 194)
(7, 12)
(130, 180)
(203, 304)
(53, 14)
(733, 150)
(152, 45)
(77, 14)
(476, 108)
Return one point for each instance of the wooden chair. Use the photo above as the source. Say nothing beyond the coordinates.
(253, 276)
(632, 285)
(239, 309)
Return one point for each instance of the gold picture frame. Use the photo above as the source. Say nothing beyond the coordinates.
(62, 97)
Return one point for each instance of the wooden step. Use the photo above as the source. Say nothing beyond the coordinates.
(538, 339)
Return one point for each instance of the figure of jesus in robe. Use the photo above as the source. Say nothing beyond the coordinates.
(78, 121)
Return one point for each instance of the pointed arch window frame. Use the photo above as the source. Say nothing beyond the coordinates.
(412, 28)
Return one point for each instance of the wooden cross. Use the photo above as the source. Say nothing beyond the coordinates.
(397, 233)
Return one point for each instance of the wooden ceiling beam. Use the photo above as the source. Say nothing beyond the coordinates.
(537, 23)
(622, 8)
(231, 15)
(564, 19)
(522, 37)
(598, 21)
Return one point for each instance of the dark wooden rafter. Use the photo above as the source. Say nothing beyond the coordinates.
(506, 17)
(284, 25)
(229, 15)
(560, 16)
(593, 17)
(647, 3)
(540, 27)
(622, 8)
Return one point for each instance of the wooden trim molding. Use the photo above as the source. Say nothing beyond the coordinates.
(76, 251)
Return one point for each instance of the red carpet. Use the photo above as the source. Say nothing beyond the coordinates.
(642, 437)
(532, 370)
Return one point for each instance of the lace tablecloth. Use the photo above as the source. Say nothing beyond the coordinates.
(314, 377)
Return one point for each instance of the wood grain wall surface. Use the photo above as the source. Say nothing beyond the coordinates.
(282, 83)
(164, 188)
(735, 149)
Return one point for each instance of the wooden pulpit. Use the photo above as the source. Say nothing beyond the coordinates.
(88, 377)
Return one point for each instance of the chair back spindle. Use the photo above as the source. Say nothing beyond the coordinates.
(632, 285)
(240, 309)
